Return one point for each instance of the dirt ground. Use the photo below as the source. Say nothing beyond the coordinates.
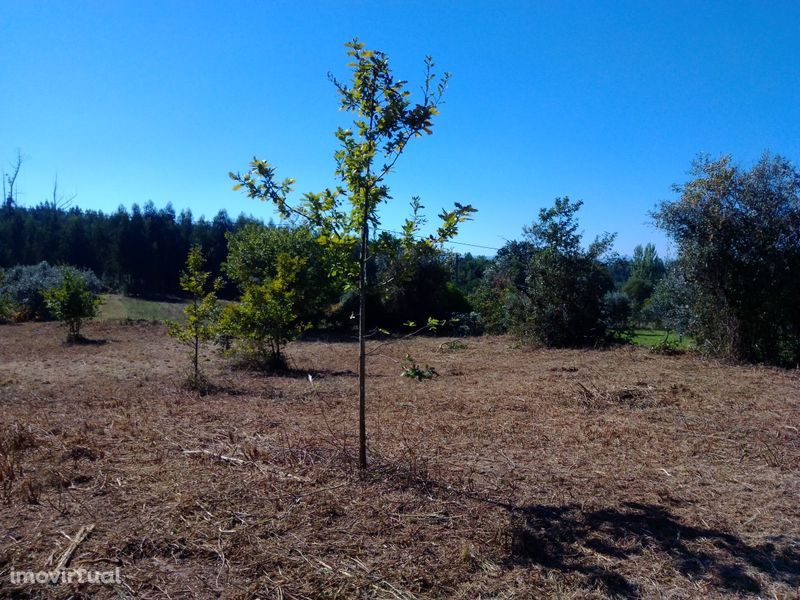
(516, 473)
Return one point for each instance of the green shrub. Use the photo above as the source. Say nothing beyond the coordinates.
(560, 303)
(24, 288)
(413, 371)
(738, 237)
(266, 317)
(618, 311)
(72, 302)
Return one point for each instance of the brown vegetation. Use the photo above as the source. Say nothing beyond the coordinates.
(515, 474)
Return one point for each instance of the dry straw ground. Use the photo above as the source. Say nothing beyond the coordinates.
(515, 474)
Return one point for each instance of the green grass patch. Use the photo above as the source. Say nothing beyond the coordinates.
(121, 308)
(652, 337)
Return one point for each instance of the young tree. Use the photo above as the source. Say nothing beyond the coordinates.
(385, 121)
(72, 302)
(201, 313)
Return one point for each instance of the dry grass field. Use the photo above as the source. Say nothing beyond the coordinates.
(517, 473)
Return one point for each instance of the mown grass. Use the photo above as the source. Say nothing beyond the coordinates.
(518, 472)
(121, 308)
(651, 337)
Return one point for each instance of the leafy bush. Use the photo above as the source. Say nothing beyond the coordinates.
(413, 371)
(618, 310)
(253, 253)
(738, 268)
(266, 317)
(410, 282)
(549, 289)
(72, 302)
(498, 297)
(24, 288)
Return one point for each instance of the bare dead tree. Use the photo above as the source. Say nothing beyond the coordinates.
(10, 180)
(59, 202)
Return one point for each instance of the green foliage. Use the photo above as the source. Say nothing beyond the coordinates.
(466, 270)
(618, 310)
(253, 253)
(646, 264)
(667, 347)
(385, 120)
(72, 302)
(558, 287)
(738, 269)
(498, 298)
(670, 304)
(6, 308)
(413, 371)
(646, 270)
(408, 280)
(549, 289)
(638, 290)
(24, 288)
(201, 313)
(266, 317)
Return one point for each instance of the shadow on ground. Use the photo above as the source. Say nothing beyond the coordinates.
(573, 541)
(565, 539)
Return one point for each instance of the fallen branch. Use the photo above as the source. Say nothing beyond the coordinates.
(239, 461)
(82, 534)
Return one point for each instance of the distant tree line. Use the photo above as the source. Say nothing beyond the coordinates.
(141, 251)
(734, 286)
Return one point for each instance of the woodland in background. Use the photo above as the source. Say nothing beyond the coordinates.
(733, 287)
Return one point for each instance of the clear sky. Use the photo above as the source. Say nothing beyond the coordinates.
(608, 102)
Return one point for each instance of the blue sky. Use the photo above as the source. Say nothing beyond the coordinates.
(607, 102)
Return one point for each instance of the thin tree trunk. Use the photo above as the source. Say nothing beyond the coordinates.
(362, 330)
(196, 346)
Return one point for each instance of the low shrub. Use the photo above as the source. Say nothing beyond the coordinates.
(24, 287)
(72, 302)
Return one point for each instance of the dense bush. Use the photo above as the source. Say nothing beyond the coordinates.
(253, 260)
(408, 280)
(72, 302)
(738, 267)
(549, 289)
(498, 298)
(618, 310)
(25, 287)
(267, 315)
